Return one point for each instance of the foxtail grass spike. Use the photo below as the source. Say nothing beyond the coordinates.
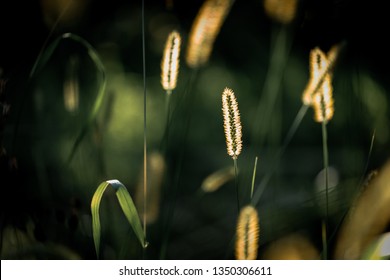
(170, 62)
(320, 97)
(317, 64)
(247, 234)
(204, 31)
(321, 67)
(231, 123)
(282, 11)
(323, 105)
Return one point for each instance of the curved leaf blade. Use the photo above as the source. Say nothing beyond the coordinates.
(131, 213)
(95, 205)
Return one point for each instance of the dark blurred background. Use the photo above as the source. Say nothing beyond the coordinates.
(45, 199)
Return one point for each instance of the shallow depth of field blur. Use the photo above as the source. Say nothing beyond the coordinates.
(46, 196)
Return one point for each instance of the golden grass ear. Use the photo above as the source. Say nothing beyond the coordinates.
(323, 103)
(231, 123)
(247, 234)
(282, 11)
(321, 67)
(319, 91)
(317, 66)
(204, 31)
(170, 62)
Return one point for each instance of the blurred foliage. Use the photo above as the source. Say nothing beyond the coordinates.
(45, 200)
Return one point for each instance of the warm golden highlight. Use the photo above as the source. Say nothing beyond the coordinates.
(321, 67)
(318, 92)
(170, 62)
(217, 179)
(323, 104)
(247, 234)
(204, 31)
(368, 217)
(282, 11)
(231, 123)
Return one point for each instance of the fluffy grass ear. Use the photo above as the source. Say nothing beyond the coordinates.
(247, 234)
(170, 62)
(231, 123)
(127, 205)
(204, 31)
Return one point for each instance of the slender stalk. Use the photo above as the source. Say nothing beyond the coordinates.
(145, 132)
(267, 102)
(326, 164)
(165, 138)
(324, 240)
(236, 183)
(293, 128)
(253, 178)
(188, 104)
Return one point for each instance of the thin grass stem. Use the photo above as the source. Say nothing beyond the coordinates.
(236, 182)
(145, 127)
(293, 128)
(326, 165)
(271, 88)
(253, 178)
(189, 102)
(324, 240)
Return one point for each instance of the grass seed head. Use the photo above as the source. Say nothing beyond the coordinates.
(231, 123)
(204, 31)
(247, 234)
(170, 62)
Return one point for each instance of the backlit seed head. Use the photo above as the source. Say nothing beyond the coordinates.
(204, 31)
(231, 123)
(170, 62)
(247, 234)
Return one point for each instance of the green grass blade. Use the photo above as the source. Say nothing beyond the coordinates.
(130, 211)
(99, 99)
(95, 205)
(127, 206)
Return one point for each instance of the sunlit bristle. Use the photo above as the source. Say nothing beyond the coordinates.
(170, 62)
(282, 11)
(247, 234)
(323, 103)
(232, 123)
(319, 91)
(321, 66)
(204, 31)
(317, 64)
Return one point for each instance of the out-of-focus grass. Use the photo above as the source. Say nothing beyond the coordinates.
(55, 195)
